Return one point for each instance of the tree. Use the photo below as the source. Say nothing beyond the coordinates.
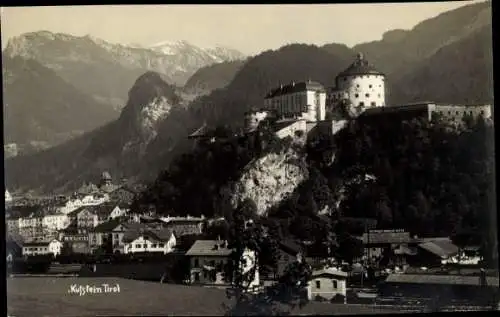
(349, 248)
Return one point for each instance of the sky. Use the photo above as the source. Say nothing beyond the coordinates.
(248, 28)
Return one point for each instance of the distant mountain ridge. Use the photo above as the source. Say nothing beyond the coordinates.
(106, 71)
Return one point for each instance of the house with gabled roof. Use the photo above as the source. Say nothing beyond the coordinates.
(327, 283)
(91, 216)
(209, 261)
(149, 240)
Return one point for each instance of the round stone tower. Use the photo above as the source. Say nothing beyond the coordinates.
(362, 84)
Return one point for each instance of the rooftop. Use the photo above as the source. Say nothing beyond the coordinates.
(290, 246)
(441, 248)
(209, 248)
(295, 87)
(439, 279)
(329, 271)
(157, 235)
(360, 67)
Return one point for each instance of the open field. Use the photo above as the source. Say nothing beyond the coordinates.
(46, 296)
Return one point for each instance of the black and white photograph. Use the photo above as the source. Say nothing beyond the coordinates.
(249, 159)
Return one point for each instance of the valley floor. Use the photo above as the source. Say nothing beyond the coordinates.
(47, 296)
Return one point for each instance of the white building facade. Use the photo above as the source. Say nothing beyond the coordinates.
(40, 248)
(327, 284)
(361, 84)
(57, 221)
(147, 243)
(87, 200)
(304, 100)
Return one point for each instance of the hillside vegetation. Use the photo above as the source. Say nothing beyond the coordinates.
(429, 178)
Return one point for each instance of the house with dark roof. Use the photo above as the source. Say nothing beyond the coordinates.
(149, 240)
(394, 245)
(435, 252)
(209, 263)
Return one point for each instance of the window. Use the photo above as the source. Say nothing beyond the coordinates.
(369, 86)
(196, 262)
(482, 112)
(161, 245)
(456, 112)
(356, 95)
(367, 95)
(318, 284)
(334, 284)
(373, 104)
(145, 246)
(361, 104)
(357, 86)
(153, 245)
(137, 246)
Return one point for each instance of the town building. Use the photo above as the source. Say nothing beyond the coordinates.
(395, 245)
(77, 240)
(434, 252)
(327, 284)
(181, 226)
(92, 216)
(41, 248)
(57, 221)
(162, 241)
(82, 200)
(209, 263)
(8, 197)
(12, 224)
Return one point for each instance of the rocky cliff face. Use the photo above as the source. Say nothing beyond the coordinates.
(268, 180)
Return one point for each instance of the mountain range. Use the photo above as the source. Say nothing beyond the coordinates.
(447, 58)
(98, 71)
(106, 71)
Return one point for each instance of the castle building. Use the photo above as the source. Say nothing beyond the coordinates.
(361, 84)
(304, 100)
